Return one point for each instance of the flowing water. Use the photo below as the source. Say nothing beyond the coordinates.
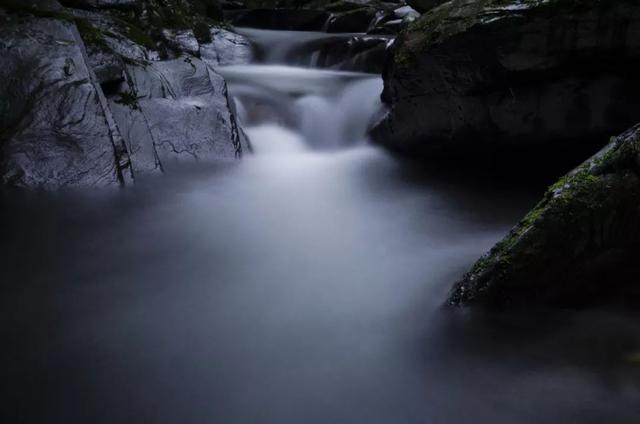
(302, 285)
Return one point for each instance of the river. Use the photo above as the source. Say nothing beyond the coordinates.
(304, 284)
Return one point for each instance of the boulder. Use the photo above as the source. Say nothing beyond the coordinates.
(226, 48)
(101, 4)
(487, 79)
(364, 53)
(309, 15)
(182, 41)
(174, 110)
(577, 247)
(282, 19)
(423, 6)
(358, 20)
(56, 127)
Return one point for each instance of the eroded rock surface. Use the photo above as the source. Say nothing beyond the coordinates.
(226, 48)
(174, 111)
(56, 127)
(577, 247)
(91, 100)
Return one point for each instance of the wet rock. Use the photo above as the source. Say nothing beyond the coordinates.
(182, 41)
(423, 6)
(323, 15)
(56, 128)
(358, 20)
(282, 19)
(226, 48)
(172, 111)
(89, 105)
(101, 4)
(485, 79)
(364, 53)
(403, 11)
(107, 66)
(577, 247)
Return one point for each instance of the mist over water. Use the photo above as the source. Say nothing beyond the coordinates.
(303, 284)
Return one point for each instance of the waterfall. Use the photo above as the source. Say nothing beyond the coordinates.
(291, 108)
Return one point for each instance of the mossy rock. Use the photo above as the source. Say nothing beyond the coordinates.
(577, 247)
(458, 16)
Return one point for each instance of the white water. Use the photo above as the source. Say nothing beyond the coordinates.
(300, 47)
(327, 109)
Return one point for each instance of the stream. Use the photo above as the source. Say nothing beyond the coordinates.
(303, 284)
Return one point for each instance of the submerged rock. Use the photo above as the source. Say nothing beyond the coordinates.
(505, 78)
(56, 127)
(577, 247)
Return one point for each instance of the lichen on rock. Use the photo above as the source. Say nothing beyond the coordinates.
(576, 247)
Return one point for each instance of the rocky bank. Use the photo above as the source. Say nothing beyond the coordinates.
(526, 85)
(103, 91)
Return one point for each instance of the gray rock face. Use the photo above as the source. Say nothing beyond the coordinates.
(577, 247)
(226, 48)
(182, 41)
(56, 128)
(481, 78)
(173, 111)
(87, 106)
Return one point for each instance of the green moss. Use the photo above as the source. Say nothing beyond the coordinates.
(634, 358)
(128, 98)
(139, 36)
(458, 16)
(202, 32)
(92, 36)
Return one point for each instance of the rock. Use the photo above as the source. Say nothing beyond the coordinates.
(357, 20)
(364, 53)
(394, 25)
(117, 4)
(56, 127)
(101, 4)
(577, 247)
(310, 15)
(182, 41)
(488, 79)
(403, 11)
(107, 66)
(226, 48)
(86, 105)
(409, 18)
(172, 111)
(282, 19)
(423, 6)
